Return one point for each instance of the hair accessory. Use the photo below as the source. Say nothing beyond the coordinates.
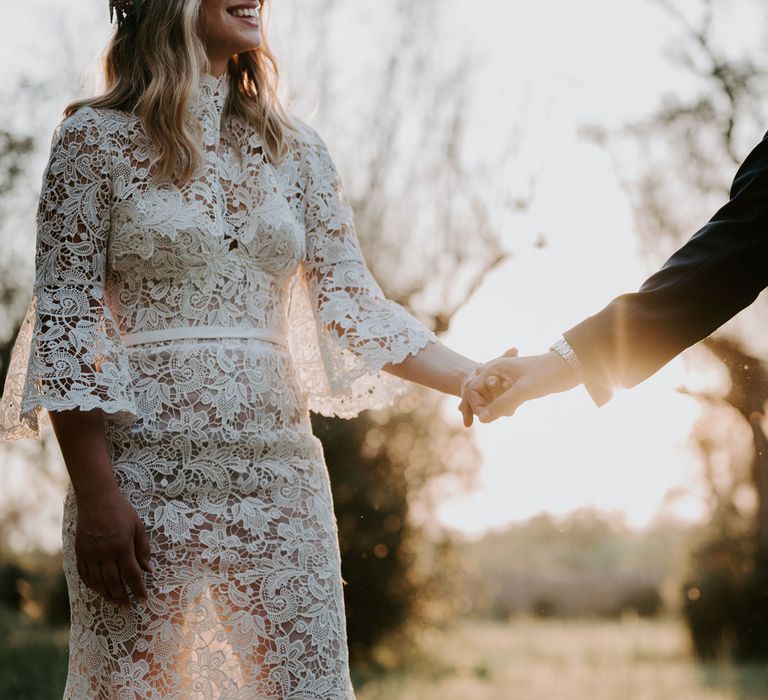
(124, 10)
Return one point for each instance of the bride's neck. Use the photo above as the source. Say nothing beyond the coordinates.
(217, 66)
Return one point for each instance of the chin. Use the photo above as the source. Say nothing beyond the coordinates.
(244, 40)
(249, 45)
(231, 45)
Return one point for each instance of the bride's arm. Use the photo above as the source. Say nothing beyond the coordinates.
(440, 368)
(437, 367)
(360, 328)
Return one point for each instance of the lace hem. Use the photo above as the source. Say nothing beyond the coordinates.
(364, 387)
(48, 370)
(341, 382)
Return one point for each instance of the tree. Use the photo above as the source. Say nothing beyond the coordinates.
(690, 148)
(383, 466)
(15, 150)
(430, 234)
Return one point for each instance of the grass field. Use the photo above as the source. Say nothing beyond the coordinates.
(556, 660)
(522, 660)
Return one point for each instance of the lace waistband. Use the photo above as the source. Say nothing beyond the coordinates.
(196, 332)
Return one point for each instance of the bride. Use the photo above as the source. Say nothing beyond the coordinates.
(199, 288)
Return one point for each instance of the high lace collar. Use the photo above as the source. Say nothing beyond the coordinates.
(212, 94)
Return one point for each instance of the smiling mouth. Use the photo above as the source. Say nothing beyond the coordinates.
(246, 14)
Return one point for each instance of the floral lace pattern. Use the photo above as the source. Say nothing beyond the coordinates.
(209, 437)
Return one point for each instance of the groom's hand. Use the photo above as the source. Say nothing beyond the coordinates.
(503, 385)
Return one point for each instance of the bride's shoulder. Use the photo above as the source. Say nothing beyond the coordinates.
(83, 127)
(82, 119)
(304, 136)
(91, 123)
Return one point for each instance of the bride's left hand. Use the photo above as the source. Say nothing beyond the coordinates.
(480, 394)
(527, 378)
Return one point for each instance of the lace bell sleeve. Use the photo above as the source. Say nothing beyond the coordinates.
(68, 353)
(355, 329)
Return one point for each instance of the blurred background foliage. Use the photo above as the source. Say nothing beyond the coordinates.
(403, 573)
(688, 150)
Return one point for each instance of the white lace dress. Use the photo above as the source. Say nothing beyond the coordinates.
(206, 322)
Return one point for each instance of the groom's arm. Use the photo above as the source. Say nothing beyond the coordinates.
(717, 273)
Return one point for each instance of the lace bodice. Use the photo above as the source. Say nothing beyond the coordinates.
(244, 245)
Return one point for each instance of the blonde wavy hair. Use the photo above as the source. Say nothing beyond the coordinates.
(152, 68)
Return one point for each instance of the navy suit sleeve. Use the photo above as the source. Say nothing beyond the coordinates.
(717, 273)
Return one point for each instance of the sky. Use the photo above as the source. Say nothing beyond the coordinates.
(553, 66)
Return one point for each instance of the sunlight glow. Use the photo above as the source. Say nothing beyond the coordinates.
(556, 66)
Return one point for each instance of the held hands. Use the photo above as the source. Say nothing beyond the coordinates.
(501, 386)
